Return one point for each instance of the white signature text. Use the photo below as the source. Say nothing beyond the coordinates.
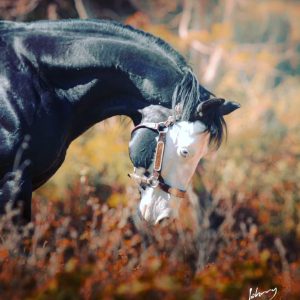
(258, 294)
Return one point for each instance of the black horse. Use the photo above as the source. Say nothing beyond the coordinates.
(57, 79)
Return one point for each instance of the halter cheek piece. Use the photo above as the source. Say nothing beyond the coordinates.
(155, 179)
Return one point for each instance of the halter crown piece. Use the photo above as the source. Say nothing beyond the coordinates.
(155, 179)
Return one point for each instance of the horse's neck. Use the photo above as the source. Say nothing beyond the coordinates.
(96, 95)
(103, 76)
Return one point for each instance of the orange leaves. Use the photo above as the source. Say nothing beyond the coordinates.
(102, 155)
(222, 31)
(3, 254)
(200, 35)
(98, 254)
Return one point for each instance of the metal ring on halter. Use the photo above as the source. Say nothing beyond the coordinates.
(161, 127)
(153, 182)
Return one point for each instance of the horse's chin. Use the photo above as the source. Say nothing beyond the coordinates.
(156, 217)
(164, 215)
(156, 205)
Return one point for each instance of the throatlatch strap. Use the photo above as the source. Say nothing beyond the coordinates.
(173, 191)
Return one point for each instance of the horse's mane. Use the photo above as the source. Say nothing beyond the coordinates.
(188, 94)
(96, 28)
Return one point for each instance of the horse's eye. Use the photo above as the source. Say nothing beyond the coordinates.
(184, 152)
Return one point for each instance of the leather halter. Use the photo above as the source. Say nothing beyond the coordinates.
(155, 179)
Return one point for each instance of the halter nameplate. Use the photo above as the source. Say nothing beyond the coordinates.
(160, 147)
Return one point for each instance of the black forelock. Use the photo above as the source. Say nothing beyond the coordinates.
(217, 128)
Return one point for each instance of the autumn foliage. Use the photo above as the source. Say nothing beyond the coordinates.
(241, 227)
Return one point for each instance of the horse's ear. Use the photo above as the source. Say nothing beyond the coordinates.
(209, 105)
(228, 107)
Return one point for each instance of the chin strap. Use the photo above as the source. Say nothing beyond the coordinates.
(155, 179)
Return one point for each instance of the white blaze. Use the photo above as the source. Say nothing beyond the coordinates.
(186, 144)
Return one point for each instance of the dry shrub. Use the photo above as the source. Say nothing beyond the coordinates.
(94, 251)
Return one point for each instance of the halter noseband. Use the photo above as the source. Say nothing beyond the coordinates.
(155, 179)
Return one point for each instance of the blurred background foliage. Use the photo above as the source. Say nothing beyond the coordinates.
(244, 50)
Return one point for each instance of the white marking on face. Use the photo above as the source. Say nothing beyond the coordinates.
(186, 144)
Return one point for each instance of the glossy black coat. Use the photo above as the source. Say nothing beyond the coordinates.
(57, 79)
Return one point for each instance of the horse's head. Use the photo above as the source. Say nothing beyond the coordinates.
(165, 153)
